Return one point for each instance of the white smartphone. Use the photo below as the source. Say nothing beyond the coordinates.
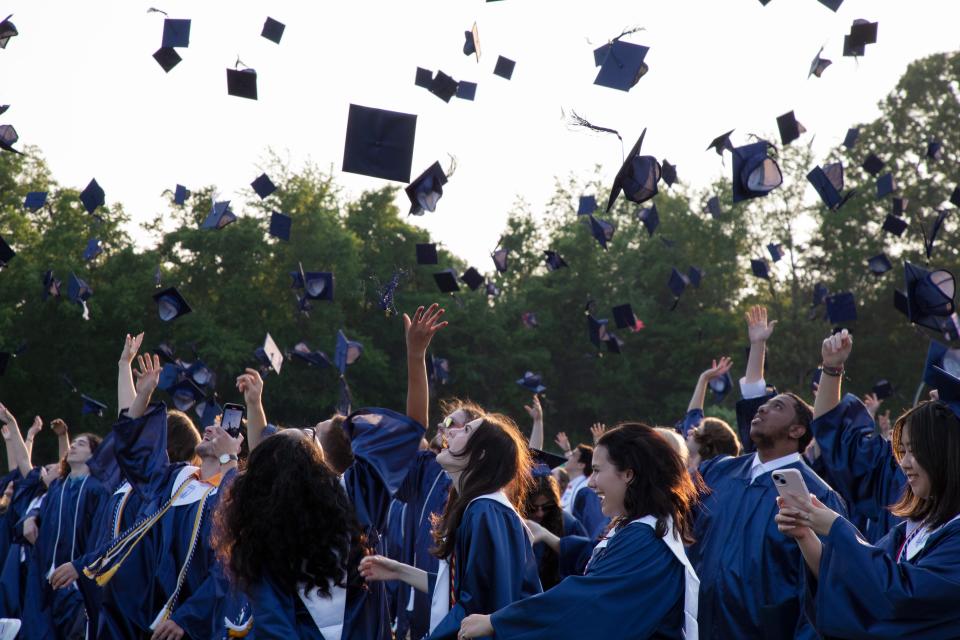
(791, 487)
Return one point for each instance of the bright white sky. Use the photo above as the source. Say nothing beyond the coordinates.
(84, 88)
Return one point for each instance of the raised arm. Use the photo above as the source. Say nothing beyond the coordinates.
(419, 332)
(835, 351)
(59, 427)
(716, 370)
(759, 331)
(32, 432)
(126, 389)
(14, 441)
(250, 384)
(535, 411)
(148, 377)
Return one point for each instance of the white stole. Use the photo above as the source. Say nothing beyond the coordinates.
(327, 613)
(570, 493)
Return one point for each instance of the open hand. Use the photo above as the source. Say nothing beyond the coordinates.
(6, 417)
(562, 441)
(758, 329)
(147, 374)
(597, 430)
(420, 329)
(717, 369)
(534, 410)
(130, 348)
(250, 384)
(872, 403)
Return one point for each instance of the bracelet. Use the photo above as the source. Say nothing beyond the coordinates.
(835, 372)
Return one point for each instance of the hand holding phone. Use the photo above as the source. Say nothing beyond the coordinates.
(791, 487)
(233, 415)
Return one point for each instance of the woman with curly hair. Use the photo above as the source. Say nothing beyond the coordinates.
(638, 583)
(286, 535)
(486, 557)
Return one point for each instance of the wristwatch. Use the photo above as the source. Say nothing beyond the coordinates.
(227, 457)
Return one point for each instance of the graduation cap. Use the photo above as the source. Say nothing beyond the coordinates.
(492, 290)
(220, 216)
(180, 194)
(622, 66)
(713, 207)
(588, 204)
(637, 178)
(650, 219)
(269, 355)
(165, 351)
(8, 138)
(500, 259)
(939, 375)
(93, 249)
(313, 358)
(426, 190)
(544, 462)
(438, 369)
(472, 278)
(7, 31)
(443, 86)
(92, 196)
(379, 143)
(597, 330)
(427, 253)
(955, 197)
(721, 386)
(317, 285)
(553, 260)
(423, 78)
(899, 206)
(879, 264)
(862, 33)
(841, 308)
(529, 319)
(51, 286)
(760, 268)
(531, 382)
(77, 290)
(471, 45)
(789, 128)
(828, 182)
(833, 5)
(755, 173)
(167, 58)
(624, 317)
(694, 276)
(280, 225)
(242, 83)
(928, 240)
(35, 200)
(873, 165)
(668, 173)
(186, 394)
(885, 185)
(851, 138)
(263, 186)
(207, 411)
(273, 30)
(176, 33)
(201, 374)
(170, 304)
(895, 225)
(6, 253)
(170, 374)
(504, 67)
(91, 406)
(820, 293)
(466, 90)
(928, 297)
(882, 389)
(447, 281)
(776, 251)
(677, 282)
(819, 65)
(387, 292)
(934, 149)
(348, 352)
(601, 230)
(721, 143)
(943, 357)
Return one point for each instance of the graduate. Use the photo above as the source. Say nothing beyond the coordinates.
(707, 438)
(750, 574)
(543, 508)
(639, 583)
(487, 560)
(907, 585)
(578, 499)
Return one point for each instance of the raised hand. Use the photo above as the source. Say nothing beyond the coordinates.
(534, 410)
(6, 417)
(5, 430)
(35, 428)
(563, 442)
(597, 430)
(250, 384)
(872, 403)
(717, 369)
(379, 568)
(758, 329)
(58, 426)
(130, 348)
(420, 329)
(147, 373)
(836, 349)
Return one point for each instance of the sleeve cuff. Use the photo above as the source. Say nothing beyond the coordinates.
(751, 390)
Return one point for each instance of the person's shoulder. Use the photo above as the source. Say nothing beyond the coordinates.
(723, 465)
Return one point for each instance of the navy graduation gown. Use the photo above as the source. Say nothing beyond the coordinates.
(494, 565)
(6, 519)
(393, 546)
(862, 463)
(279, 613)
(571, 527)
(633, 589)
(863, 592)
(13, 574)
(750, 573)
(586, 509)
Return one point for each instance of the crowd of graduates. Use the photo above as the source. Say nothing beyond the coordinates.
(799, 521)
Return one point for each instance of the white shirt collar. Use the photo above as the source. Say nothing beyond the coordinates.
(758, 468)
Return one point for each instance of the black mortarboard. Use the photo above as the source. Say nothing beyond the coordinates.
(8, 138)
(242, 83)
(601, 230)
(280, 225)
(170, 374)
(504, 67)
(207, 411)
(77, 290)
(851, 138)
(6, 253)
(841, 308)
(755, 173)
(879, 264)
(492, 289)
(637, 178)
(314, 358)
(776, 251)
(934, 149)
(721, 143)
(379, 143)
(883, 389)
(942, 360)
(180, 194)
(899, 206)
(447, 281)
(500, 259)
(424, 78)
(427, 253)
(263, 186)
(828, 182)
(167, 58)
(623, 65)
(92, 196)
(220, 216)
(7, 31)
(443, 86)
(885, 185)
(269, 355)
(894, 225)
(955, 197)
(624, 317)
(862, 33)
(471, 43)
(928, 297)
(597, 330)
(273, 30)
(713, 207)
(316, 285)
(531, 382)
(91, 406)
(934, 230)
(789, 128)
(873, 165)
(472, 278)
(819, 65)
(426, 190)
(93, 249)
(588, 204)
(466, 90)
(760, 268)
(553, 260)
(650, 218)
(694, 275)
(176, 33)
(833, 5)
(170, 304)
(820, 293)
(547, 459)
(185, 394)
(201, 374)
(945, 381)
(721, 386)
(677, 282)
(669, 173)
(51, 286)
(35, 200)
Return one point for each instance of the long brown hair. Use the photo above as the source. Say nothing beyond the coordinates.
(661, 486)
(498, 458)
(545, 484)
(935, 442)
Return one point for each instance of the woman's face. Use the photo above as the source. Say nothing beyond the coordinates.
(540, 507)
(609, 482)
(917, 476)
(457, 437)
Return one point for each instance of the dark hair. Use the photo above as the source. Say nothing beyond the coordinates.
(935, 443)
(585, 455)
(337, 448)
(804, 414)
(546, 485)
(471, 408)
(564, 479)
(714, 437)
(661, 486)
(182, 437)
(498, 459)
(94, 441)
(286, 517)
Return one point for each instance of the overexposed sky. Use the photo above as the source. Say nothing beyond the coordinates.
(84, 87)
